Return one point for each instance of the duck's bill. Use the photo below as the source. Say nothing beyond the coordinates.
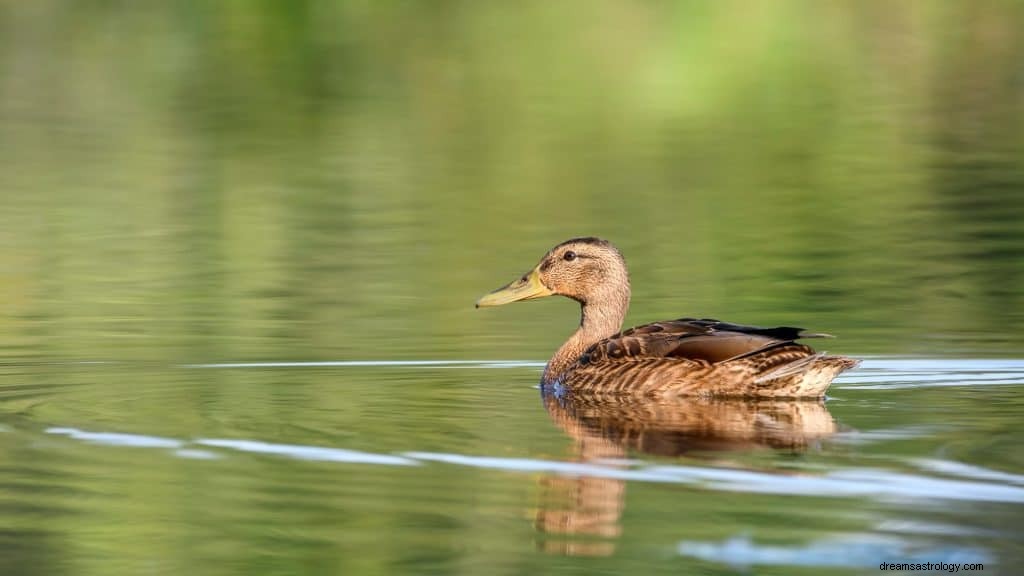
(526, 288)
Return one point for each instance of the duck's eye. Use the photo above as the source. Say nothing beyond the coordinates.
(569, 256)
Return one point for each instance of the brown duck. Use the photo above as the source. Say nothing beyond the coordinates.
(684, 357)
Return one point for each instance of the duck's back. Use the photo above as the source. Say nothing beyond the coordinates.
(704, 357)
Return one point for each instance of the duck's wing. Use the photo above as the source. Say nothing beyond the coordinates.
(700, 340)
(705, 357)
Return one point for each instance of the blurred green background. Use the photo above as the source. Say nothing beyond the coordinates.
(197, 181)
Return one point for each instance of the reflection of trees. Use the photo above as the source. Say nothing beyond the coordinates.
(579, 515)
(978, 143)
(211, 183)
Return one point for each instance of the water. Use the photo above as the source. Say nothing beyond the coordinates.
(240, 246)
(447, 467)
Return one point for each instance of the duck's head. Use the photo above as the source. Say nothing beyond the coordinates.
(588, 270)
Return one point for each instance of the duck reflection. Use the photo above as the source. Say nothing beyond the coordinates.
(605, 431)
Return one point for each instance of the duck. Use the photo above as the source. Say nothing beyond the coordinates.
(671, 358)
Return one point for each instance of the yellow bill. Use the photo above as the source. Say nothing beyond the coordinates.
(526, 288)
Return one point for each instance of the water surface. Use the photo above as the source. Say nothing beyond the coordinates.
(450, 467)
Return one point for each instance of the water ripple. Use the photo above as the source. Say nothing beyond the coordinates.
(117, 439)
(898, 373)
(967, 471)
(877, 372)
(981, 485)
(318, 453)
(377, 364)
(848, 551)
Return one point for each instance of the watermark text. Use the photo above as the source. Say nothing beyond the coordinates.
(931, 566)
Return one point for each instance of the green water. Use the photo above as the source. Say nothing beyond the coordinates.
(241, 242)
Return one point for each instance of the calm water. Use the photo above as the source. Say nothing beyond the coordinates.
(461, 467)
(240, 245)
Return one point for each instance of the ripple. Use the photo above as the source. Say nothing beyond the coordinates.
(117, 439)
(376, 364)
(862, 437)
(882, 485)
(308, 452)
(848, 551)
(874, 373)
(933, 529)
(552, 466)
(967, 470)
(196, 454)
(899, 373)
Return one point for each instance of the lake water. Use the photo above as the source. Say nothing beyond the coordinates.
(448, 467)
(240, 246)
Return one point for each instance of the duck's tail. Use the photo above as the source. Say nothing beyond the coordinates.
(806, 377)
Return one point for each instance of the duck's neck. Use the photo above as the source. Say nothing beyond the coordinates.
(599, 319)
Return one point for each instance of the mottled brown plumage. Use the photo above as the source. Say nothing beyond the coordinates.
(683, 357)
